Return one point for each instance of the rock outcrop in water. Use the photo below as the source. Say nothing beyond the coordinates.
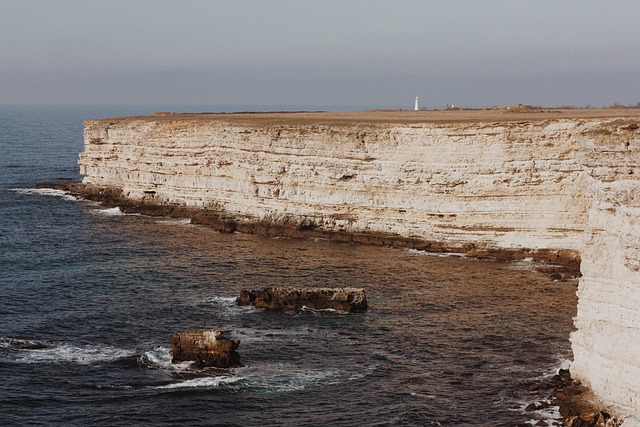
(556, 186)
(281, 298)
(206, 348)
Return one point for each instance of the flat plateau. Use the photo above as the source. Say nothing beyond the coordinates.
(509, 114)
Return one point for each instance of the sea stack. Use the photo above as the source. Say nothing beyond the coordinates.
(206, 348)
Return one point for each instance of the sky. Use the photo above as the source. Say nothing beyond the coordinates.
(329, 52)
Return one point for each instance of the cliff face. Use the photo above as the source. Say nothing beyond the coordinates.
(516, 186)
(564, 186)
(606, 344)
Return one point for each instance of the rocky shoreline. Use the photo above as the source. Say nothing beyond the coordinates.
(577, 405)
(565, 263)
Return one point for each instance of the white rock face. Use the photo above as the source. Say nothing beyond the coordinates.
(565, 185)
(606, 344)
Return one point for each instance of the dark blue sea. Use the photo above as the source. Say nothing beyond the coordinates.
(89, 298)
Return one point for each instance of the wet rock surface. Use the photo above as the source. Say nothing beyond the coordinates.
(206, 348)
(577, 405)
(282, 298)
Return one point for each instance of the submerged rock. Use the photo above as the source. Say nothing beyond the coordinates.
(281, 298)
(206, 348)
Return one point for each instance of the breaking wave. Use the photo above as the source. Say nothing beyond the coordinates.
(109, 211)
(437, 254)
(204, 382)
(33, 351)
(44, 192)
(160, 358)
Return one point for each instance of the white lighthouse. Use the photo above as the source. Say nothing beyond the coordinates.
(417, 104)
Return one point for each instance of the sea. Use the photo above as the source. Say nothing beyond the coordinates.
(89, 298)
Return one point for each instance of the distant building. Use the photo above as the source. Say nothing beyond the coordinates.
(417, 104)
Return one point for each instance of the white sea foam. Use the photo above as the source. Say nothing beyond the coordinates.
(117, 386)
(273, 378)
(110, 211)
(281, 378)
(44, 192)
(173, 221)
(66, 353)
(551, 413)
(160, 358)
(204, 382)
(181, 221)
(437, 254)
(222, 300)
(323, 310)
(284, 378)
(565, 363)
(229, 306)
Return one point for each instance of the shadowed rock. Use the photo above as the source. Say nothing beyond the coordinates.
(280, 298)
(206, 348)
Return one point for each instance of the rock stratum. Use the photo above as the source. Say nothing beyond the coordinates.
(561, 186)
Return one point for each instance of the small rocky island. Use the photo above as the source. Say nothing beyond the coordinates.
(206, 348)
(283, 298)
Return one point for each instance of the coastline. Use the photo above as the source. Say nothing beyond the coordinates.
(576, 403)
(563, 264)
(556, 186)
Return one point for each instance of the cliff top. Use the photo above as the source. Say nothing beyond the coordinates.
(500, 114)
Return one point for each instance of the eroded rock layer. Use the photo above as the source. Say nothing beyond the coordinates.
(284, 298)
(561, 187)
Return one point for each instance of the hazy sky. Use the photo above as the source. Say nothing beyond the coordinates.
(329, 52)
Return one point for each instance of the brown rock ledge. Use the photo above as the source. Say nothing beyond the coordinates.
(222, 221)
(282, 298)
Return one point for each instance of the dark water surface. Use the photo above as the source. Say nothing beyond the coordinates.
(90, 297)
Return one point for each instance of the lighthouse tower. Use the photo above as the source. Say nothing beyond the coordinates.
(417, 104)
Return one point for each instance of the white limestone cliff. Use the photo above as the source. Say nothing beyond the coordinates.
(566, 185)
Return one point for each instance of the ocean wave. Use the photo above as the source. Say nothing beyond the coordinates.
(284, 378)
(44, 192)
(544, 410)
(267, 379)
(116, 386)
(227, 301)
(20, 344)
(34, 351)
(175, 221)
(436, 254)
(251, 335)
(203, 382)
(229, 306)
(108, 211)
(324, 310)
(160, 358)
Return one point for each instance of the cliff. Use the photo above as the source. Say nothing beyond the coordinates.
(554, 185)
